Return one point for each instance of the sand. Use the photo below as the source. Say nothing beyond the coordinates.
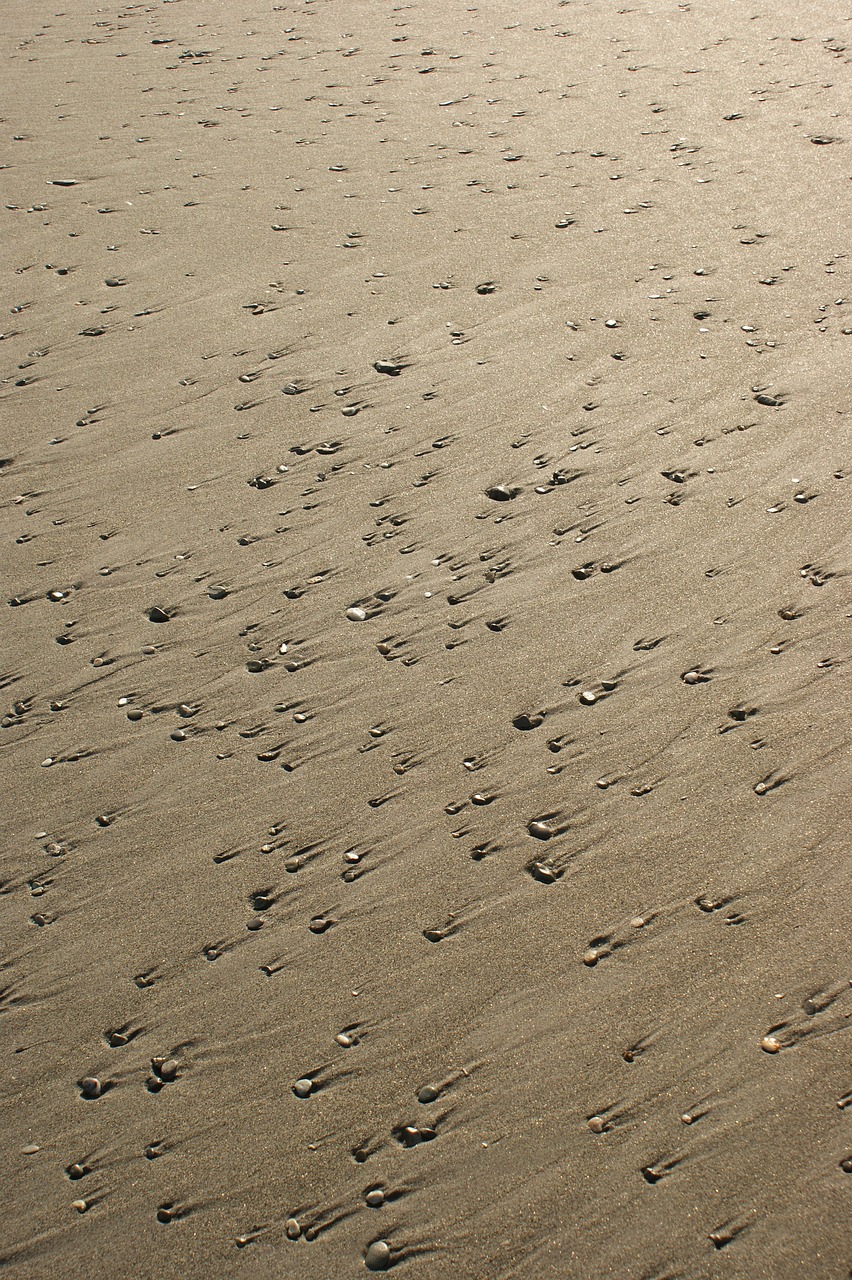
(426, 580)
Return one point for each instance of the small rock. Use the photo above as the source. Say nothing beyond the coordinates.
(501, 493)
(540, 830)
(542, 872)
(166, 1069)
(303, 1088)
(526, 722)
(378, 1256)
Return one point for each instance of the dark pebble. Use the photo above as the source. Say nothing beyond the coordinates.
(378, 1256)
(525, 722)
(541, 830)
(542, 872)
(165, 1068)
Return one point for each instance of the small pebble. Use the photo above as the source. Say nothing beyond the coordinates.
(356, 614)
(542, 872)
(427, 1094)
(375, 1199)
(540, 830)
(527, 722)
(378, 1256)
(91, 1087)
(501, 493)
(303, 1088)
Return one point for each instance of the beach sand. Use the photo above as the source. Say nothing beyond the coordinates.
(426, 582)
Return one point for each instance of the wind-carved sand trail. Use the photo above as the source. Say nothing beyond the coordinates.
(425, 473)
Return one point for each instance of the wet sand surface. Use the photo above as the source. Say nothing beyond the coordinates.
(425, 629)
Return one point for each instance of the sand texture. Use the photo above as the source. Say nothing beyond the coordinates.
(425, 553)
